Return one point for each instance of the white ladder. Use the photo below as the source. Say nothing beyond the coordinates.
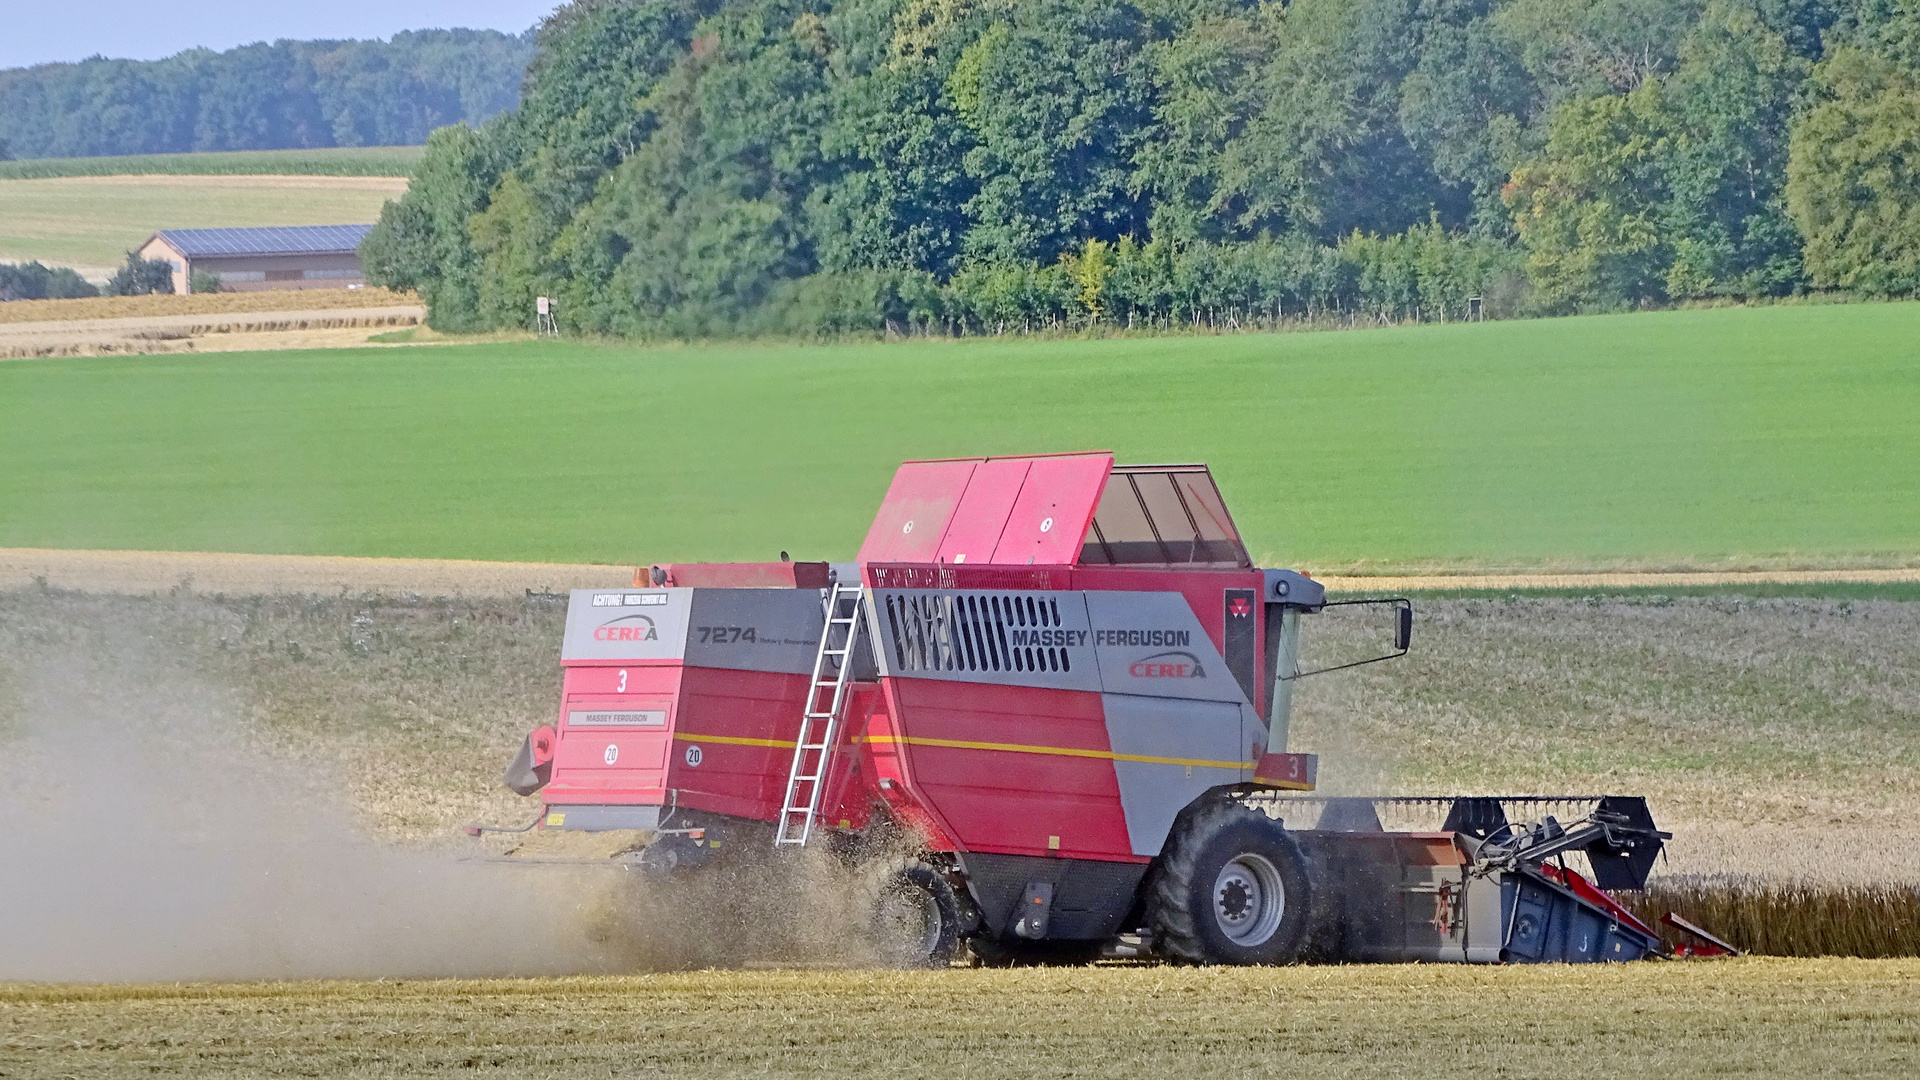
(813, 752)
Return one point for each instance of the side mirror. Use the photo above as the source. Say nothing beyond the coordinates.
(1402, 633)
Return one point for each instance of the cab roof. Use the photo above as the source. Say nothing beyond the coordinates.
(1076, 509)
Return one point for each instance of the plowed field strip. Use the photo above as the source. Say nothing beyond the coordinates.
(148, 571)
(209, 572)
(1601, 581)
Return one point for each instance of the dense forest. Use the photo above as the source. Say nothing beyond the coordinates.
(691, 167)
(287, 95)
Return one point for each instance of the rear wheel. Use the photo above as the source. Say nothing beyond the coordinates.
(1231, 888)
(916, 915)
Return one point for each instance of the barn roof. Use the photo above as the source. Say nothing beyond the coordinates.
(273, 240)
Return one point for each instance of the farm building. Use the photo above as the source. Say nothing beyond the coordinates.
(277, 257)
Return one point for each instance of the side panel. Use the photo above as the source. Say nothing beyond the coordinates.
(1206, 595)
(626, 624)
(771, 630)
(615, 729)
(1151, 644)
(1167, 752)
(847, 801)
(916, 511)
(1090, 898)
(1015, 770)
(982, 514)
(733, 742)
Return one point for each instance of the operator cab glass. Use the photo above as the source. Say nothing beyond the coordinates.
(1163, 515)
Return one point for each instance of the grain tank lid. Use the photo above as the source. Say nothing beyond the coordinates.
(1004, 510)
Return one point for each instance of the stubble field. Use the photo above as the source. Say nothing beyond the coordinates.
(1778, 738)
(1733, 1019)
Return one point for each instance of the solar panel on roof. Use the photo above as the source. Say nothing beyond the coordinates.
(272, 240)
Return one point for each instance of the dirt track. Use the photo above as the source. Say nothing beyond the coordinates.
(1621, 580)
(160, 571)
(213, 304)
(198, 332)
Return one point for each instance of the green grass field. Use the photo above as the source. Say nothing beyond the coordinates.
(331, 161)
(91, 222)
(1784, 434)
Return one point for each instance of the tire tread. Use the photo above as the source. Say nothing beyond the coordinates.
(1176, 934)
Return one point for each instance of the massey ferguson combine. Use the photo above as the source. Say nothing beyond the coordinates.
(1065, 687)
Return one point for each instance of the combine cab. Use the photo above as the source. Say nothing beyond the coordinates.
(1063, 685)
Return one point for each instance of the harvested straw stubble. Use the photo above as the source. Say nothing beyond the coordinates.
(1758, 1017)
(222, 303)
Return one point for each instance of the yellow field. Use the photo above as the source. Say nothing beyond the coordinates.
(234, 303)
(1725, 1018)
(90, 222)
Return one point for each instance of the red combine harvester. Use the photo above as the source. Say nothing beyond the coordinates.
(1064, 683)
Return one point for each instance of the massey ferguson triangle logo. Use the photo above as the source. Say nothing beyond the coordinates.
(1167, 665)
(627, 628)
(1240, 606)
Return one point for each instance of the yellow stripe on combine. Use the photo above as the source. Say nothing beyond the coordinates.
(963, 744)
(1055, 751)
(732, 740)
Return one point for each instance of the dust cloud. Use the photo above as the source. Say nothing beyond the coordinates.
(150, 833)
(143, 837)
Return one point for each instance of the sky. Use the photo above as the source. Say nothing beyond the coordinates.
(41, 31)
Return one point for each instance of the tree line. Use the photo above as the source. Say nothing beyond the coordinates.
(283, 95)
(137, 277)
(694, 167)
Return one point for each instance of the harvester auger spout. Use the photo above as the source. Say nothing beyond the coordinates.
(1066, 685)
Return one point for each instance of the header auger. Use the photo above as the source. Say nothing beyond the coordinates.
(1066, 686)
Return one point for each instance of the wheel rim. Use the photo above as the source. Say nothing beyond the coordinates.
(908, 918)
(1249, 900)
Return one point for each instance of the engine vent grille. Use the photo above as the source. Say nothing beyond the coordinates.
(963, 631)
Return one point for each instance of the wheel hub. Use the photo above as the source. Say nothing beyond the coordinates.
(1249, 900)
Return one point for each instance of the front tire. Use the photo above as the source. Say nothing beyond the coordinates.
(1231, 888)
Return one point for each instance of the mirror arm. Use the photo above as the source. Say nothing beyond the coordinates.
(1402, 637)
